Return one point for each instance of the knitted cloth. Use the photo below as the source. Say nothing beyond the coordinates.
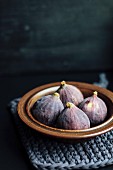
(49, 154)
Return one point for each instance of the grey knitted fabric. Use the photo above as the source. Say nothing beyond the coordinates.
(48, 154)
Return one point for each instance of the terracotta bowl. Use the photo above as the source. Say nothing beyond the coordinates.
(28, 100)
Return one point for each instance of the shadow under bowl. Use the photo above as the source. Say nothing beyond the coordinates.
(28, 100)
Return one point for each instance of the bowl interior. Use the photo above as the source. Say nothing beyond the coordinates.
(51, 90)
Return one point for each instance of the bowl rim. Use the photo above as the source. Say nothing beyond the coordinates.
(24, 114)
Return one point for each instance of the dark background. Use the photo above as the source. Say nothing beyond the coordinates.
(47, 41)
(59, 36)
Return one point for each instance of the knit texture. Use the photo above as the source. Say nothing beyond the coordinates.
(50, 154)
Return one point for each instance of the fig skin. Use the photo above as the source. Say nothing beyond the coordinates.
(70, 93)
(72, 118)
(95, 108)
(47, 109)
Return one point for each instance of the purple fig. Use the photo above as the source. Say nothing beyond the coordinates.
(70, 93)
(95, 108)
(47, 109)
(72, 118)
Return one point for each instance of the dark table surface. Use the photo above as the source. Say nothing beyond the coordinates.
(12, 154)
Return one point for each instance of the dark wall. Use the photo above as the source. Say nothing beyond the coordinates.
(55, 35)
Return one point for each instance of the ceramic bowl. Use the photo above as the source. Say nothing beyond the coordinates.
(28, 100)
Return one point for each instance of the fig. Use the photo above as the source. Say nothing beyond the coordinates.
(47, 109)
(95, 108)
(72, 118)
(70, 93)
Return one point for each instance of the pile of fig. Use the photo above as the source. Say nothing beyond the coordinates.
(68, 109)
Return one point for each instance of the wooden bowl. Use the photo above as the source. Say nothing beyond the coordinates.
(28, 100)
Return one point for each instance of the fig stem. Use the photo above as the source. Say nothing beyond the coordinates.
(56, 94)
(63, 83)
(69, 104)
(95, 93)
